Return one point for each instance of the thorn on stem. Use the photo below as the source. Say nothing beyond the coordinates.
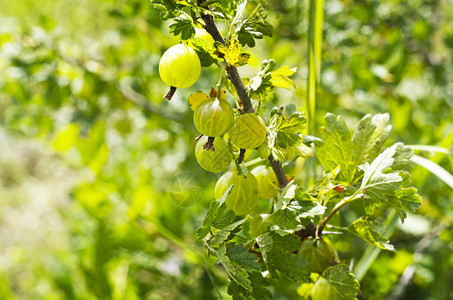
(170, 93)
(241, 156)
(209, 146)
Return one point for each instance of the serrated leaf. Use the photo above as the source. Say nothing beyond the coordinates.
(280, 78)
(375, 182)
(223, 219)
(167, 8)
(238, 274)
(370, 134)
(182, 27)
(402, 156)
(216, 209)
(285, 195)
(240, 256)
(196, 98)
(325, 185)
(278, 255)
(342, 281)
(336, 147)
(259, 284)
(254, 27)
(366, 231)
(409, 198)
(225, 232)
(205, 51)
(292, 207)
(369, 137)
(289, 132)
(382, 184)
(282, 258)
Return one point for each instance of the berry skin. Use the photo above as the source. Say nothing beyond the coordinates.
(267, 181)
(248, 131)
(244, 195)
(259, 224)
(180, 66)
(322, 290)
(213, 117)
(213, 161)
(318, 253)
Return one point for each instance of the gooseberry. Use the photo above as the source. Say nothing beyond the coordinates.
(267, 181)
(180, 66)
(248, 131)
(318, 253)
(213, 161)
(213, 117)
(244, 195)
(322, 290)
(259, 224)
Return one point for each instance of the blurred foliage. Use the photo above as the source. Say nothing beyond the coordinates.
(80, 80)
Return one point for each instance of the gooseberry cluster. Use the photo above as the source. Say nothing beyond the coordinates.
(223, 135)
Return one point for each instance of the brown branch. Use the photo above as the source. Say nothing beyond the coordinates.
(324, 222)
(170, 93)
(236, 80)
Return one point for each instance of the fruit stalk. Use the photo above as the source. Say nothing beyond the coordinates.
(236, 80)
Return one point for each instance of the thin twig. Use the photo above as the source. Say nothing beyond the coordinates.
(140, 100)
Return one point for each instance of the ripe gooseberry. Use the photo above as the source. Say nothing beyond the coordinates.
(213, 161)
(318, 253)
(267, 181)
(259, 224)
(180, 66)
(248, 131)
(213, 117)
(244, 195)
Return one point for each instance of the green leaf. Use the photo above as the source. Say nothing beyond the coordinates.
(370, 134)
(382, 184)
(293, 206)
(183, 27)
(409, 198)
(324, 186)
(259, 291)
(336, 149)
(254, 27)
(225, 232)
(261, 87)
(205, 51)
(289, 132)
(280, 78)
(167, 8)
(278, 255)
(376, 183)
(366, 231)
(342, 281)
(239, 255)
(215, 214)
(238, 274)
(223, 218)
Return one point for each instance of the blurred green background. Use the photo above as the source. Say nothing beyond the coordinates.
(89, 150)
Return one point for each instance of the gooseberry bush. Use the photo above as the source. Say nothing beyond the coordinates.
(263, 225)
